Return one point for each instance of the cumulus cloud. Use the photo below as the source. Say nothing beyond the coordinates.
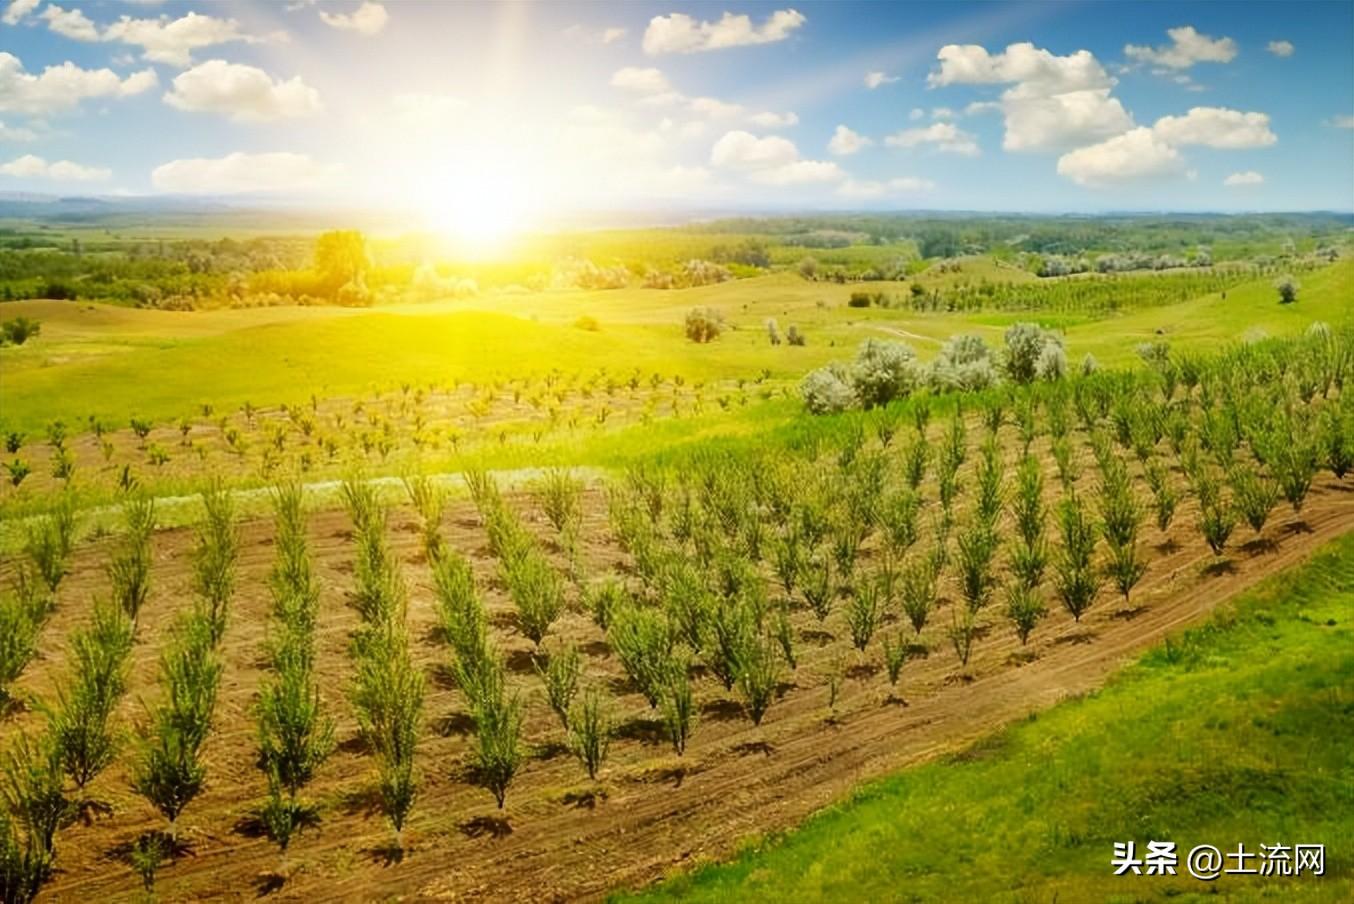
(1216, 127)
(31, 166)
(771, 160)
(172, 41)
(368, 19)
(18, 10)
(876, 79)
(845, 142)
(743, 150)
(1249, 177)
(1054, 102)
(866, 189)
(63, 87)
(1135, 156)
(243, 93)
(714, 107)
(71, 24)
(680, 33)
(1187, 48)
(239, 173)
(1280, 48)
(654, 90)
(943, 136)
(648, 81)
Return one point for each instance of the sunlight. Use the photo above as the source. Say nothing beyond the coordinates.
(479, 205)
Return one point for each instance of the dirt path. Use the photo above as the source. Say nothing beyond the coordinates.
(560, 836)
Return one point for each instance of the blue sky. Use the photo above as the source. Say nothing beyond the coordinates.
(522, 111)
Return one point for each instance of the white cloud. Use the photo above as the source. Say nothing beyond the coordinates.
(243, 93)
(1035, 69)
(715, 108)
(172, 41)
(743, 150)
(944, 136)
(979, 107)
(1216, 127)
(1061, 121)
(865, 189)
(1280, 48)
(916, 114)
(368, 19)
(30, 166)
(239, 172)
(18, 10)
(1055, 102)
(648, 81)
(1340, 121)
(1187, 47)
(16, 133)
(71, 24)
(595, 36)
(770, 120)
(1249, 177)
(1137, 155)
(680, 33)
(62, 87)
(876, 79)
(771, 160)
(846, 142)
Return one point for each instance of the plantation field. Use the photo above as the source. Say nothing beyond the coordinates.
(651, 810)
(1229, 738)
(757, 626)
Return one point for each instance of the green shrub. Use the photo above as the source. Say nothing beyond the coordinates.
(590, 730)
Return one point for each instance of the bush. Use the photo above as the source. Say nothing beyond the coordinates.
(704, 324)
(80, 724)
(828, 390)
(884, 371)
(1287, 287)
(19, 330)
(559, 674)
(1027, 345)
(964, 363)
(1025, 608)
(498, 755)
(793, 336)
(590, 730)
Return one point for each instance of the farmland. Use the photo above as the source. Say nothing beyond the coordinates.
(428, 598)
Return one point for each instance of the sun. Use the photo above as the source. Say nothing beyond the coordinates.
(478, 205)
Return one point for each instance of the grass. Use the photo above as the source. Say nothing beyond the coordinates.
(113, 363)
(1227, 734)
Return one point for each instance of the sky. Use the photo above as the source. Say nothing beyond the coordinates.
(507, 113)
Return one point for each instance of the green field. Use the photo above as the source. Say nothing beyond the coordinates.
(1227, 734)
(113, 362)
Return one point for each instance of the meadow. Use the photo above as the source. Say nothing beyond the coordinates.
(655, 541)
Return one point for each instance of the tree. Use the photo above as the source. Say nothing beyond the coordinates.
(704, 324)
(341, 258)
(1287, 288)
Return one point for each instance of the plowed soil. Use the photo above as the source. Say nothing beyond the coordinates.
(560, 836)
